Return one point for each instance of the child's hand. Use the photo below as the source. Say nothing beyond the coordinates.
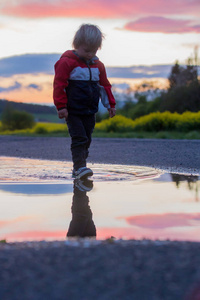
(63, 113)
(112, 112)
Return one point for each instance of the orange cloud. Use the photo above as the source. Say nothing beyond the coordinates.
(4, 223)
(32, 88)
(99, 8)
(161, 24)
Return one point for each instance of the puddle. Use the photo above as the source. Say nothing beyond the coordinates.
(128, 202)
(34, 170)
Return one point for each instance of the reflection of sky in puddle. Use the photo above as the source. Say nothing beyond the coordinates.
(160, 206)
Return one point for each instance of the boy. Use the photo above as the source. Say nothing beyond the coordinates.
(80, 79)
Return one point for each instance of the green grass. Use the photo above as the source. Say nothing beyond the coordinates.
(193, 135)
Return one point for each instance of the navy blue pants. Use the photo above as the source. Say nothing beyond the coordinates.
(82, 224)
(80, 128)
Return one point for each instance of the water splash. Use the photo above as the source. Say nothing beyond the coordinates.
(30, 170)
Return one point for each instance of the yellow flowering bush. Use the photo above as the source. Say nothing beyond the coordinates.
(153, 122)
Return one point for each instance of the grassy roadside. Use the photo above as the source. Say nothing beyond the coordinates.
(60, 130)
(157, 125)
(192, 135)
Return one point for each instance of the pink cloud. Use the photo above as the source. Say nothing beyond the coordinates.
(99, 8)
(107, 232)
(161, 24)
(60, 8)
(155, 221)
(36, 235)
(136, 232)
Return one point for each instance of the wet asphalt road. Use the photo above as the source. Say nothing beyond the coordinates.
(139, 270)
(175, 155)
(123, 270)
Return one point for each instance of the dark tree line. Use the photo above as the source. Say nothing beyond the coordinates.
(184, 88)
(183, 93)
(30, 108)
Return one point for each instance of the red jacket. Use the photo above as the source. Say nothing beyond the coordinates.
(78, 85)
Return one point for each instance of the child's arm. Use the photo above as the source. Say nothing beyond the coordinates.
(63, 114)
(112, 112)
(107, 97)
(62, 71)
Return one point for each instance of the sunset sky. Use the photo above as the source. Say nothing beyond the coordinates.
(164, 212)
(145, 32)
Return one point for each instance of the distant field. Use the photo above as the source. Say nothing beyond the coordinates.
(47, 118)
(52, 118)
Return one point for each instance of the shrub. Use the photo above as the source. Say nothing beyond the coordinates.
(14, 119)
(188, 121)
(154, 122)
(40, 129)
(50, 128)
(157, 122)
(116, 124)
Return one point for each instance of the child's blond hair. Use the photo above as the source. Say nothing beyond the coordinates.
(89, 35)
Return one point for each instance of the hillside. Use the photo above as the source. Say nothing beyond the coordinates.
(42, 113)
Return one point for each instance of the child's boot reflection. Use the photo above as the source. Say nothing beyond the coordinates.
(81, 224)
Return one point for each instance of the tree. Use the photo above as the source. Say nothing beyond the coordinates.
(184, 88)
(184, 75)
(182, 98)
(174, 75)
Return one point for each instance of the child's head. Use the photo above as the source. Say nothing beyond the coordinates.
(89, 38)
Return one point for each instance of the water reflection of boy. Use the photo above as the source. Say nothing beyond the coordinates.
(81, 224)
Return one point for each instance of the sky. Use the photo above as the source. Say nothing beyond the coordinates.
(145, 32)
